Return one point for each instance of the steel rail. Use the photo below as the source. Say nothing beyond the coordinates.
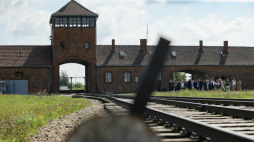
(230, 99)
(171, 97)
(204, 130)
(236, 112)
(217, 101)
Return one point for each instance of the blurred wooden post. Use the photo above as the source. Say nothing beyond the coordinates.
(71, 83)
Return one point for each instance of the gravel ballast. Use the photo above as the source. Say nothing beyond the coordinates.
(59, 129)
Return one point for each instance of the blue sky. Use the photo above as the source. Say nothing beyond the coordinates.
(26, 22)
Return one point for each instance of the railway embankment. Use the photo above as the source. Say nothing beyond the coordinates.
(59, 129)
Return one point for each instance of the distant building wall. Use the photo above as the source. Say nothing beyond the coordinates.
(38, 78)
(245, 74)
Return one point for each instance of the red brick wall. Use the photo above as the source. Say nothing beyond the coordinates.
(74, 51)
(118, 84)
(245, 74)
(38, 78)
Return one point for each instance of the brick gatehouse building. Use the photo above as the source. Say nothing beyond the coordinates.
(115, 67)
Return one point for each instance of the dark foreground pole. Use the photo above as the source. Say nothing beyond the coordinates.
(147, 84)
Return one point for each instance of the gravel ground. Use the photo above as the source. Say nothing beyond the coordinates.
(57, 130)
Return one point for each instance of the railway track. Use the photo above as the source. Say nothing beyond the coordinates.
(179, 120)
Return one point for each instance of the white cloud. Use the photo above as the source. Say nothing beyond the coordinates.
(123, 23)
(214, 31)
(24, 20)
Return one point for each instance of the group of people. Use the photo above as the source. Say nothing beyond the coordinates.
(206, 85)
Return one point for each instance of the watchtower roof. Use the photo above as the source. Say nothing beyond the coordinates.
(73, 8)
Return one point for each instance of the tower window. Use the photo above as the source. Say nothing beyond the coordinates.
(70, 22)
(61, 22)
(83, 22)
(65, 22)
(74, 22)
(127, 77)
(91, 22)
(78, 22)
(61, 45)
(57, 22)
(87, 22)
(87, 46)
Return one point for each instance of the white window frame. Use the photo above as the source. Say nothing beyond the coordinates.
(70, 22)
(57, 22)
(87, 45)
(108, 77)
(78, 22)
(127, 77)
(136, 79)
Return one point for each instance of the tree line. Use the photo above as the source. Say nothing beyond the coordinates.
(64, 81)
(178, 76)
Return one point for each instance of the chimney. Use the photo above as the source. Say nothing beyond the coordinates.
(201, 48)
(143, 45)
(226, 46)
(113, 45)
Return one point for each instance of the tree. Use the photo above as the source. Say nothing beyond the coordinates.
(178, 76)
(78, 85)
(64, 79)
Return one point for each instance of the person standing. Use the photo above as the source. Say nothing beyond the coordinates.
(175, 85)
(171, 85)
(201, 83)
(227, 85)
(220, 83)
(195, 84)
(185, 84)
(234, 84)
(4, 89)
(211, 84)
(223, 85)
(205, 85)
(178, 85)
(189, 84)
(239, 85)
(198, 84)
(182, 85)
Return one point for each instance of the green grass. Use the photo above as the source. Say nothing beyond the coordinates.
(74, 88)
(210, 94)
(21, 116)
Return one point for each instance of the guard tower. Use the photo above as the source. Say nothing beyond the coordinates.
(73, 37)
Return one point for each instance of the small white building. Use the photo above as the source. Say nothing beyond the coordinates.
(63, 88)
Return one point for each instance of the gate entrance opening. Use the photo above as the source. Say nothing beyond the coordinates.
(189, 74)
(72, 78)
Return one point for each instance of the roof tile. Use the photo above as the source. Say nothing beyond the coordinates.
(22, 55)
(186, 55)
(74, 8)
